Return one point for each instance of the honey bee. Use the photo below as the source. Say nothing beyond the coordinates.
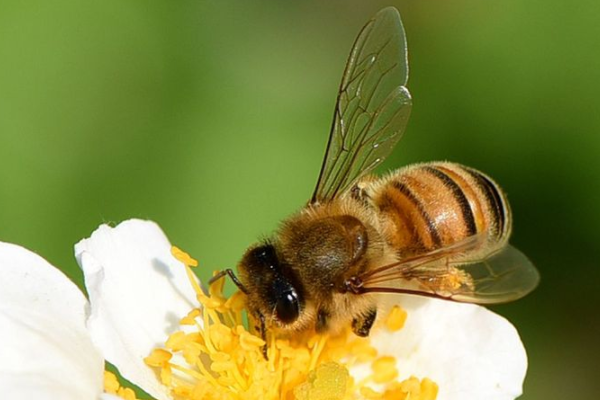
(435, 229)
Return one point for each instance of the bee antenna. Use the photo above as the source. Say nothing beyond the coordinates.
(234, 279)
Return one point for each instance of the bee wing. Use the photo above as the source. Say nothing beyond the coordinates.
(502, 277)
(505, 276)
(372, 106)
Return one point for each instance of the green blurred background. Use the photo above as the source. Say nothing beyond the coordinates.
(211, 119)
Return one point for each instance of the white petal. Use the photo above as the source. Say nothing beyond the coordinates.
(469, 351)
(46, 350)
(138, 292)
(106, 396)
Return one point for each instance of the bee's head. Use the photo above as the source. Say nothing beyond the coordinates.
(273, 290)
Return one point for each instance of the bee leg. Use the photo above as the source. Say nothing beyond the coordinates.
(361, 325)
(363, 189)
(359, 193)
(322, 320)
(263, 335)
(260, 327)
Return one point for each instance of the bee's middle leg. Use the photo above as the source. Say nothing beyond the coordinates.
(362, 324)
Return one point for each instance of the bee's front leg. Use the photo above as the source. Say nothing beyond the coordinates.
(323, 317)
(260, 328)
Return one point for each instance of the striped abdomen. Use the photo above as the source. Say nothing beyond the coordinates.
(427, 206)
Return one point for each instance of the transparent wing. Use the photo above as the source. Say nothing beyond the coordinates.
(372, 107)
(505, 276)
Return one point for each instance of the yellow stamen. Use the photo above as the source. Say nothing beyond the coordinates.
(384, 369)
(184, 257)
(158, 358)
(111, 383)
(222, 359)
(396, 319)
(112, 386)
(429, 389)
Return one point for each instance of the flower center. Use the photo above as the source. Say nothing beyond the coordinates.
(214, 356)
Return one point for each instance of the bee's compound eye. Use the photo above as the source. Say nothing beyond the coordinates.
(287, 307)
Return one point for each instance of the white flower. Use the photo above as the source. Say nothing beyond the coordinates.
(138, 292)
(46, 351)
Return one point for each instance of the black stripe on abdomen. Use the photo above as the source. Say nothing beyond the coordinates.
(405, 190)
(492, 196)
(459, 195)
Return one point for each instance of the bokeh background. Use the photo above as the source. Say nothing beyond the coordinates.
(211, 119)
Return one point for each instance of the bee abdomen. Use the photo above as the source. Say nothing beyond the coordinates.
(428, 206)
